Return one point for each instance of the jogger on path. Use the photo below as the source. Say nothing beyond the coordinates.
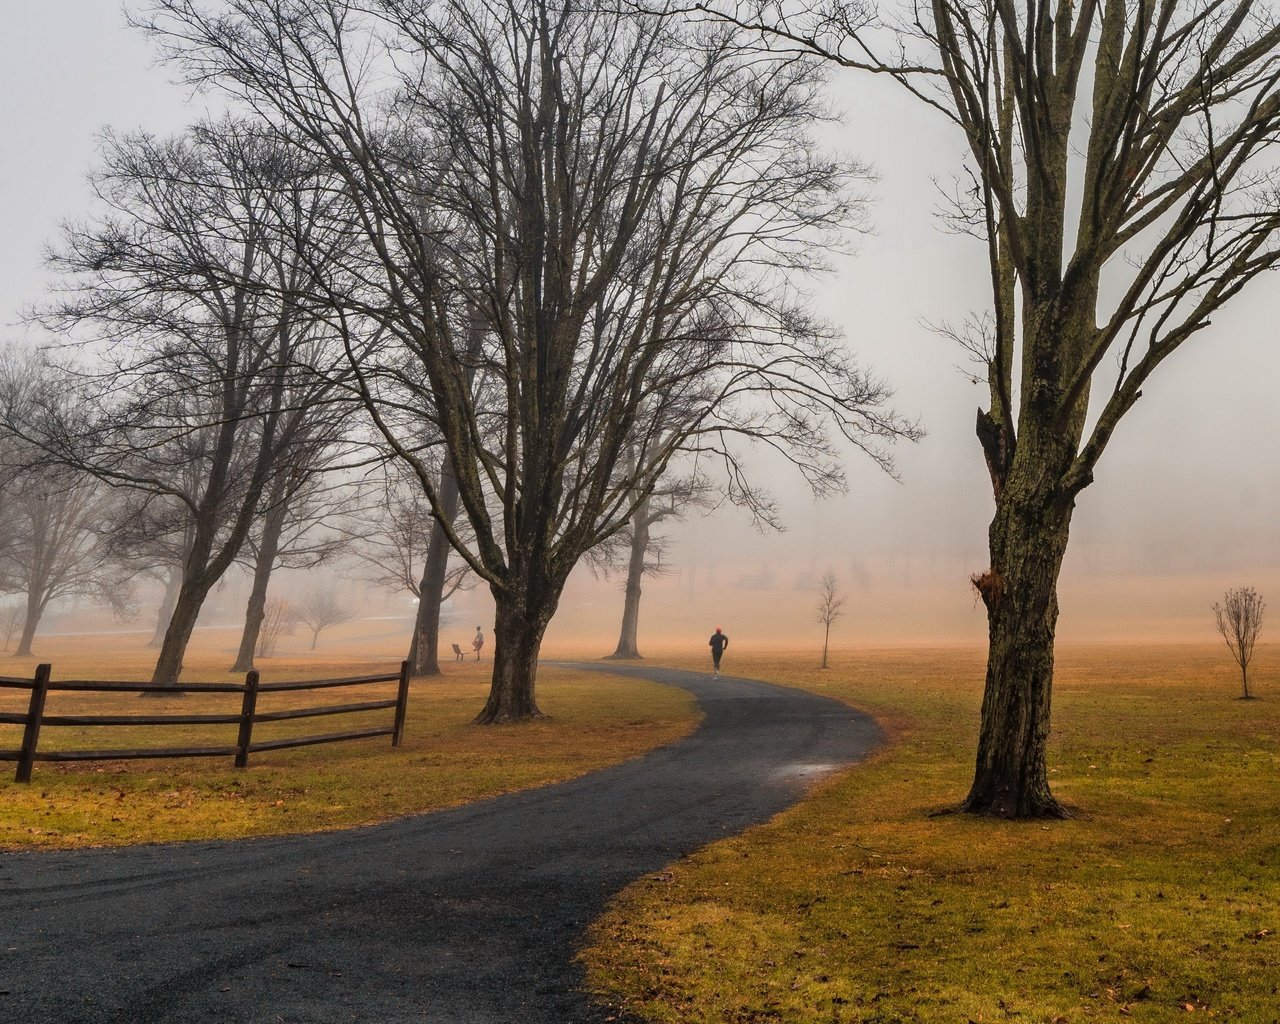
(719, 642)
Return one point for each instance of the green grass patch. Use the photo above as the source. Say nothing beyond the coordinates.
(594, 721)
(1160, 901)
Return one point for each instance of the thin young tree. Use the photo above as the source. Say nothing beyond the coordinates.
(152, 533)
(831, 604)
(623, 200)
(321, 609)
(277, 619)
(1120, 170)
(1238, 617)
(12, 614)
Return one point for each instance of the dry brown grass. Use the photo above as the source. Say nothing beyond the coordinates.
(593, 721)
(1160, 902)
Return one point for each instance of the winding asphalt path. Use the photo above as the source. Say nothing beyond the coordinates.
(461, 916)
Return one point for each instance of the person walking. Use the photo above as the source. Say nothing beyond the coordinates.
(719, 642)
(477, 642)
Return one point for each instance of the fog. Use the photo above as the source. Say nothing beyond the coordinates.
(1185, 498)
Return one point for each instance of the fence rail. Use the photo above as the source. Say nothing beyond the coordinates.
(41, 685)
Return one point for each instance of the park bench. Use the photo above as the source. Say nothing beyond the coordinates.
(458, 651)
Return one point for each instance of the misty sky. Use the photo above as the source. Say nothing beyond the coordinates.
(1185, 500)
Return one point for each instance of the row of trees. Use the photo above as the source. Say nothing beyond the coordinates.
(548, 252)
(533, 258)
(68, 533)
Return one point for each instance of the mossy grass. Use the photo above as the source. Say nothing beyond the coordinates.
(593, 721)
(1159, 900)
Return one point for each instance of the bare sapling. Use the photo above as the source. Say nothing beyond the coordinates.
(11, 616)
(830, 607)
(321, 609)
(1239, 620)
(277, 618)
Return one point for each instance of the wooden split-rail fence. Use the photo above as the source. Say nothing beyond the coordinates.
(250, 690)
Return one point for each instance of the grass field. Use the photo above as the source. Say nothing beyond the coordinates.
(1159, 902)
(593, 721)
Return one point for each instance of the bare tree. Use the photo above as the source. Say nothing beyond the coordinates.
(152, 532)
(277, 618)
(831, 604)
(440, 580)
(57, 517)
(404, 548)
(12, 614)
(623, 200)
(1239, 620)
(291, 531)
(672, 499)
(321, 609)
(189, 284)
(1121, 173)
(61, 549)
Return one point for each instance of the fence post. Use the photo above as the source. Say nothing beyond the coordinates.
(402, 704)
(247, 709)
(35, 712)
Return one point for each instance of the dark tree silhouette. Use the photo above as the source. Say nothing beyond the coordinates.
(292, 528)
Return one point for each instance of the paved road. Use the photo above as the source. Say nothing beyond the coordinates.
(468, 915)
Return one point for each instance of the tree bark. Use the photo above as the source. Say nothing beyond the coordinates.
(173, 583)
(517, 639)
(1028, 539)
(826, 640)
(255, 611)
(628, 637)
(182, 623)
(424, 648)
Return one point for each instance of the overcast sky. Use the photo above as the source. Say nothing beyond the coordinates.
(1185, 500)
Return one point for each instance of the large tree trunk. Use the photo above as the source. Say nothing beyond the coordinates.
(35, 609)
(1028, 539)
(182, 623)
(255, 611)
(628, 636)
(517, 639)
(172, 584)
(424, 648)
